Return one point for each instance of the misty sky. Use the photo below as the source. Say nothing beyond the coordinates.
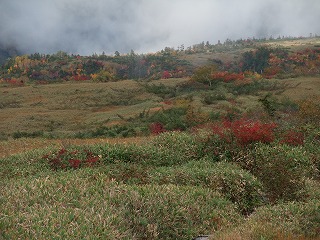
(89, 26)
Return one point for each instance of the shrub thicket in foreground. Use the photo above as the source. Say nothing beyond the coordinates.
(293, 220)
(281, 168)
(177, 186)
(82, 204)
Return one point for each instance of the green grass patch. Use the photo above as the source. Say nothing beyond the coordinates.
(69, 205)
(178, 185)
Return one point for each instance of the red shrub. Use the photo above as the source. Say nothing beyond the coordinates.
(227, 77)
(233, 76)
(293, 138)
(166, 75)
(75, 163)
(222, 130)
(157, 128)
(249, 131)
(64, 159)
(14, 82)
(80, 77)
(219, 75)
(244, 131)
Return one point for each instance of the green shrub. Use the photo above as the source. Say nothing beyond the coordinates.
(181, 145)
(167, 149)
(129, 173)
(161, 90)
(29, 163)
(146, 155)
(172, 119)
(281, 168)
(236, 184)
(171, 212)
(21, 134)
(309, 110)
(240, 186)
(3, 136)
(312, 189)
(215, 142)
(297, 219)
(111, 132)
(87, 204)
(313, 150)
(294, 220)
(254, 87)
(119, 153)
(212, 97)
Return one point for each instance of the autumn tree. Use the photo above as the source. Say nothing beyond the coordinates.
(257, 60)
(204, 74)
(92, 66)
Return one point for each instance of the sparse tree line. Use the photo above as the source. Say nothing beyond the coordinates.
(63, 67)
(262, 61)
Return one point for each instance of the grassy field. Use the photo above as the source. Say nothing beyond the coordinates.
(162, 159)
(63, 109)
(70, 107)
(170, 187)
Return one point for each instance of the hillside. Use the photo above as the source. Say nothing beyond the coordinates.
(65, 96)
(219, 140)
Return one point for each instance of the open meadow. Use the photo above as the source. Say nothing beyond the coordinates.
(206, 148)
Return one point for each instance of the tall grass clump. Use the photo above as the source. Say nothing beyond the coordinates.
(293, 220)
(181, 145)
(166, 149)
(282, 169)
(236, 184)
(25, 164)
(86, 204)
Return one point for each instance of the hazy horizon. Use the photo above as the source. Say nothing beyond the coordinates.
(85, 27)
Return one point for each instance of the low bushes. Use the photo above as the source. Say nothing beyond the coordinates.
(236, 184)
(161, 90)
(171, 212)
(178, 185)
(293, 220)
(85, 203)
(66, 159)
(22, 134)
(289, 220)
(281, 168)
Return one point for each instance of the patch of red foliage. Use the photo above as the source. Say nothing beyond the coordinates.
(293, 138)
(157, 128)
(64, 159)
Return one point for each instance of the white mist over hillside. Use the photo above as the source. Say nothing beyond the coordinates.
(85, 27)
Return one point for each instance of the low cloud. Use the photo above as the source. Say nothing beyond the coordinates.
(85, 27)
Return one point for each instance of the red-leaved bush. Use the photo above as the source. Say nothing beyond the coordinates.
(80, 77)
(64, 159)
(14, 82)
(245, 131)
(249, 131)
(157, 128)
(227, 77)
(166, 75)
(293, 138)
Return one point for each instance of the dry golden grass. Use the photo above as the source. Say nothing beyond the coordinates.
(304, 87)
(72, 107)
(296, 44)
(67, 106)
(16, 146)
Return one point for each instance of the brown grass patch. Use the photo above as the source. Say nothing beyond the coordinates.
(304, 87)
(16, 146)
